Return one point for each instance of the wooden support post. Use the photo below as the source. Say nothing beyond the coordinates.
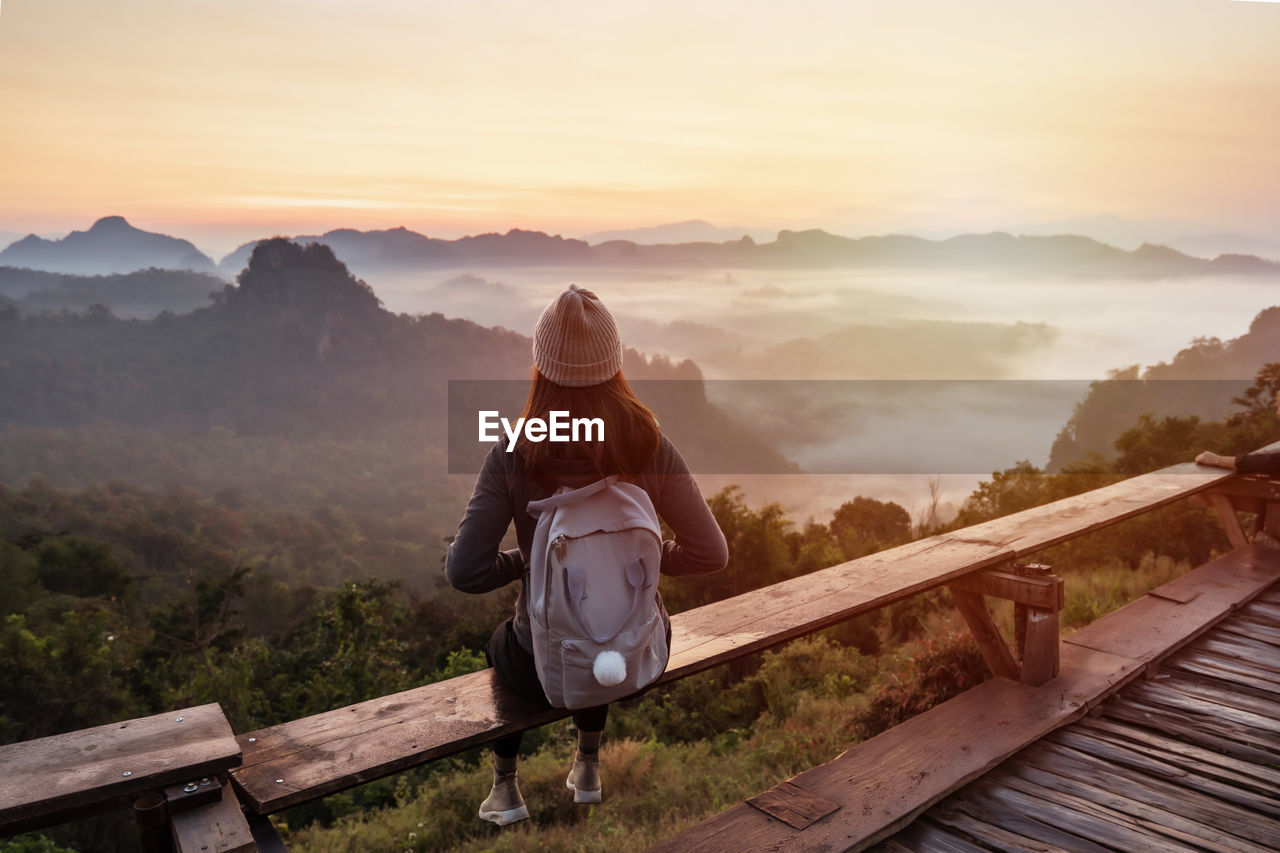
(1040, 657)
(1037, 627)
(1230, 522)
(152, 817)
(219, 827)
(1271, 520)
(264, 834)
(1038, 595)
(994, 649)
(1020, 630)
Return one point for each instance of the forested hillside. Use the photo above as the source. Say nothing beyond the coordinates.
(141, 294)
(1199, 381)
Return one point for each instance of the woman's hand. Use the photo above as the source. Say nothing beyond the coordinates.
(1210, 458)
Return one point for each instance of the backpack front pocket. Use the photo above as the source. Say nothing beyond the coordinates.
(644, 663)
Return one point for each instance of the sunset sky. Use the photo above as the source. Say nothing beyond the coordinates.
(218, 120)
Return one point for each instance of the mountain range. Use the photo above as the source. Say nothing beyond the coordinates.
(402, 250)
(1192, 238)
(112, 245)
(399, 250)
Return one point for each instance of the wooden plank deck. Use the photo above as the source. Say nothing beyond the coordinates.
(884, 783)
(304, 759)
(53, 779)
(1188, 760)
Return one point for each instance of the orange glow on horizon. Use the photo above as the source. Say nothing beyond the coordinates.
(572, 118)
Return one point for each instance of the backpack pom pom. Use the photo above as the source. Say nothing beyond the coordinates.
(610, 668)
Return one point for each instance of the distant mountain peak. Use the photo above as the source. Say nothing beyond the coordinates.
(284, 273)
(809, 237)
(111, 245)
(108, 223)
(686, 231)
(281, 252)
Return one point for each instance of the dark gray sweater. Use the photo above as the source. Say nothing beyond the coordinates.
(1258, 463)
(502, 494)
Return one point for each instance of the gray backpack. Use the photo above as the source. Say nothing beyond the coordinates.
(599, 629)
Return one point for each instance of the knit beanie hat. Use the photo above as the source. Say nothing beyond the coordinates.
(576, 342)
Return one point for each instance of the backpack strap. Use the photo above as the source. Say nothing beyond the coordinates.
(536, 508)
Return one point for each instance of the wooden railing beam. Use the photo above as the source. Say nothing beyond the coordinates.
(63, 777)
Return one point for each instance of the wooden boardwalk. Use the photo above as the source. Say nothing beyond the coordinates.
(1186, 759)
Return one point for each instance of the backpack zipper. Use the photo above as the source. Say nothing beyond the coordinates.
(559, 546)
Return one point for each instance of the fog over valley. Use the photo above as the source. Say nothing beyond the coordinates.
(870, 379)
(865, 325)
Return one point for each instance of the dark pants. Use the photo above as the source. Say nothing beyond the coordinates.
(516, 667)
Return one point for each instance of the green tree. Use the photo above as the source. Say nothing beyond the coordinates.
(1151, 444)
(353, 648)
(63, 678)
(865, 525)
(19, 579)
(1257, 424)
(32, 843)
(759, 553)
(79, 566)
(1008, 491)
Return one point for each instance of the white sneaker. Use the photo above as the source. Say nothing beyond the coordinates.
(504, 804)
(584, 778)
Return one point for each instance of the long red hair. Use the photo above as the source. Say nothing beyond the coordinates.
(631, 434)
